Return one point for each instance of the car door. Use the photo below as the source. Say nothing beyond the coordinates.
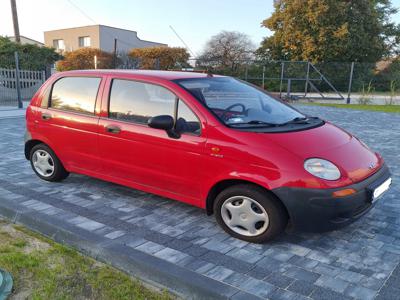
(146, 157)
(69, 124)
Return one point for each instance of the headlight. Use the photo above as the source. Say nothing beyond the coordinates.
(322, 168)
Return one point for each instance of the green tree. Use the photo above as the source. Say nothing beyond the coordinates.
(331, 30)
(32, 57)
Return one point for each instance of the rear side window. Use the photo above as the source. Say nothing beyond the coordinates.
(137, 102)
(77, 94)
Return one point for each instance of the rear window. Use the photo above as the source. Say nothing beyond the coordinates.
(77, 94)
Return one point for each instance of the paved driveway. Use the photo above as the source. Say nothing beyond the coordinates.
(360, 261)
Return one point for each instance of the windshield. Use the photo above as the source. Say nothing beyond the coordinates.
(239, 104)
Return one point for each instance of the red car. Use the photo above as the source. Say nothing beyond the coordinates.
(211, 141)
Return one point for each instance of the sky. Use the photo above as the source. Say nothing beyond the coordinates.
(194, 20)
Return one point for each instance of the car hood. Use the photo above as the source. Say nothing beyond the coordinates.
(354, 159)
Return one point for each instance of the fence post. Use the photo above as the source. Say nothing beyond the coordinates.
(17, 80)
(307, 79)
(43, 76)
(263, 78)
(282, 73)
(350, 83)
(95, 62)
(289, 87)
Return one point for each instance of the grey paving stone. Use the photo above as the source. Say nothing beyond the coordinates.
(279, 280)
(258, 287)
(325, 269)
(90, 225)
(335, 284)
(302, 274)
(245, 255)
(219, 273)
(321, 293)
(361, 293)
(302, 287)
(259, 272)
(150, 247)
(170, 255)
(281, 294)
(350, 276)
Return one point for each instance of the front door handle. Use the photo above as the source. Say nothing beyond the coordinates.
(113, 129)
(46, 116)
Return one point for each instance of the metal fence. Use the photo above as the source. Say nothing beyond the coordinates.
(328, 80)
(16, 85)
(341, 81)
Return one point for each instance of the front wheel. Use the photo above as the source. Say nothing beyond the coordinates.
(46, 164)
(249, 213)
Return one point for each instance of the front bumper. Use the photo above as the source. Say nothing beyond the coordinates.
(317, 210)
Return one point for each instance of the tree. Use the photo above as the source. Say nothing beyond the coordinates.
(227, 49)
(32, 57)
(83, 58)
(331, 30)
(163, 58)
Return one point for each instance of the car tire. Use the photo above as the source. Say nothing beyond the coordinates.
(240, 210)
(46, 164)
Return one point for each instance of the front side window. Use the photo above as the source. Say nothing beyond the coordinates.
(84, 41)
(240, 105)
(137, 102)
(77, 94)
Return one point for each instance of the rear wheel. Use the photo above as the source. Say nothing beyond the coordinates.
(250, 213)
(46, 164)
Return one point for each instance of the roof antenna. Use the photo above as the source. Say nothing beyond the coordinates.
(183, 42)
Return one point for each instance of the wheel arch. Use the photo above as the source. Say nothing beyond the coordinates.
(30, 144)
(224, 184)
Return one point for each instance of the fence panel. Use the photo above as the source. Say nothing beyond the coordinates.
(29, 83)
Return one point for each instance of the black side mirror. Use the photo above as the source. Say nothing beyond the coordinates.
(164, 122)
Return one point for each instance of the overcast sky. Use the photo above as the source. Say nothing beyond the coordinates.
(194, 20)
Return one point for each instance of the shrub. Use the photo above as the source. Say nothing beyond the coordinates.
(84, 59)
(163, 58)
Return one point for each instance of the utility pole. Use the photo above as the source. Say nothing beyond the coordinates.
(15, 21)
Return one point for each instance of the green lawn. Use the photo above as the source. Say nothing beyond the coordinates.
(382, 108)
(43, 269)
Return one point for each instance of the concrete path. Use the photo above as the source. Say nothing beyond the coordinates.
(178, 246)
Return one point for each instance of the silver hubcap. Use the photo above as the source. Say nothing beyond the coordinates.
(244, 216)
(43, 163)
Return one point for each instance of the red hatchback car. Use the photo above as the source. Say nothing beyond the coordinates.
(211, 141)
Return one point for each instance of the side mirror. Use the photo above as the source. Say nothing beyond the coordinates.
(164, 122)
(161, 122)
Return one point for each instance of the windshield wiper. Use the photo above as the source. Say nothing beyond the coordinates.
(298, 120)
(255, 122)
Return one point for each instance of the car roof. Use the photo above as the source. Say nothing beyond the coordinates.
(168, 75)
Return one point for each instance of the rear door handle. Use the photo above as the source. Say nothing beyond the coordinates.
(113, 129)
(46, 116)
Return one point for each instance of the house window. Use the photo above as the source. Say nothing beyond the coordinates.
(84, 41)
(59, 44)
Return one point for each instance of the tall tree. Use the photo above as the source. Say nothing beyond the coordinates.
(227, 49)
(331, 30)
